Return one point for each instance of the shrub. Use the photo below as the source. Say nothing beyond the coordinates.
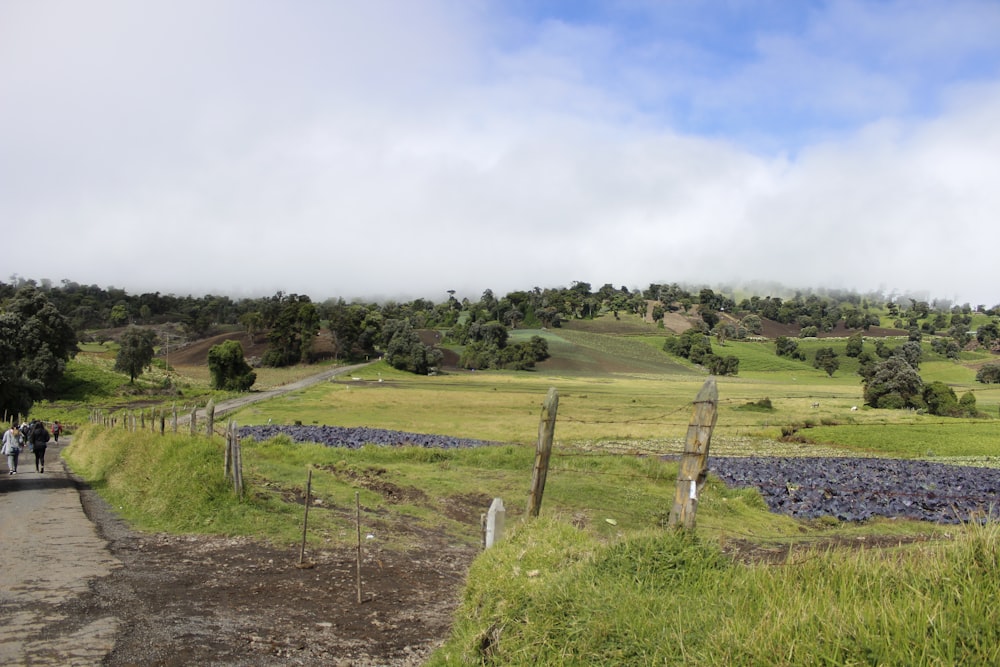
(989, 374)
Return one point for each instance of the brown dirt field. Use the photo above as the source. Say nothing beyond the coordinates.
(211, 600)
(196, 352)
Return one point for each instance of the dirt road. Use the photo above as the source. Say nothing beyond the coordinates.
(80, 587)
(50, 553)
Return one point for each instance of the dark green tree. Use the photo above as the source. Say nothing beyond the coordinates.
(753, 324)
(968, 404)
(135, 352)
(855, 345)
(911, 351)
(988, 334)
(293, 332)
(894, 384)
(253, 324)
(229, 368)
(988, 374)
(405, 351)
(36, 342)
(788, 347)
(941, 400)
(682, 345)
(718, 365)
(826, 359)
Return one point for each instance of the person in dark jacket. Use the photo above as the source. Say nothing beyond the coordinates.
(39, 440)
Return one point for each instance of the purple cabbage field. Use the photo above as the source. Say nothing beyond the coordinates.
(355, 438)
(853, 489)
(850, 489)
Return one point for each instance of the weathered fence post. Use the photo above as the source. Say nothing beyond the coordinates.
(357, 503)
(227, 457)
(694, 463)
(194, 419)
(305, 517)
(233, 461)
(546, 430)
(174, 424)
(495, 519)
(210, 418)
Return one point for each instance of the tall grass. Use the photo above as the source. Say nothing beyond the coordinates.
(550, 596)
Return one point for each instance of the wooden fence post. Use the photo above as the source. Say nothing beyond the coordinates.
(174, 423)
(210, 418)
(233, 458)
(357, 503)
(546, 430)
(194, 419)
(305, 518)
(694, 463)
(227, 457)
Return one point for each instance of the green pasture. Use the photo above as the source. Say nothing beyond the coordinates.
(597, 579)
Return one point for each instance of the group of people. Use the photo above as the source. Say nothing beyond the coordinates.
(31, 435)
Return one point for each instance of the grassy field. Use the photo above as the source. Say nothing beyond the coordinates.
(596, 580)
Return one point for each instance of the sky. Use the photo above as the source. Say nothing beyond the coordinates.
(396, 149)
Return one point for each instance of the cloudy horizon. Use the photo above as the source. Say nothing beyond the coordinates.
(393, 149)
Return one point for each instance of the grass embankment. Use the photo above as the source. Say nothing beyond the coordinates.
(175, 483)
(551, 596)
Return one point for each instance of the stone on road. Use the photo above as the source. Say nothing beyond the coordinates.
(50, 552)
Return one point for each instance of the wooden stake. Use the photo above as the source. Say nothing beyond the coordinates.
(305, 520)
(357, 502)
(546, 431)
(694, 463)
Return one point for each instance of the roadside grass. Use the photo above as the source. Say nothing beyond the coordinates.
(550, 595)
(175, 483)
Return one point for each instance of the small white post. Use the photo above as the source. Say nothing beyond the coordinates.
(495, 522)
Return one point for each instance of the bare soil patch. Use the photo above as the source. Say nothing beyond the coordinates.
(209, 600)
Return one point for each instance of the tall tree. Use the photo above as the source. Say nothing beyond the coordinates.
(135, 352)
(826, 358)
(292, 334)
(253, 323)
(36, 342)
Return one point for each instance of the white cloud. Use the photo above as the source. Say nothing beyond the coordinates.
(404, 149)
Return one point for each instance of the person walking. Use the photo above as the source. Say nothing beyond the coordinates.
(39, 441)
(56, 430)
(12, 442)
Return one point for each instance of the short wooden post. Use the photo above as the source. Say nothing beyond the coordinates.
(546, 431)
(694, 463)
(227, 457)
(495, 520)
(194, 419)
(237, 462)
(357, 502)
(305, 517)
(174, 424)
(209, 418)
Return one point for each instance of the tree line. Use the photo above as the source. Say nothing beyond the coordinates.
(44, 320)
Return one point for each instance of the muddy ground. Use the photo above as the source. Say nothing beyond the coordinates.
(200, 600)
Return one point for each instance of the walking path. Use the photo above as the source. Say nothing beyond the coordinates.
(50, 552)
